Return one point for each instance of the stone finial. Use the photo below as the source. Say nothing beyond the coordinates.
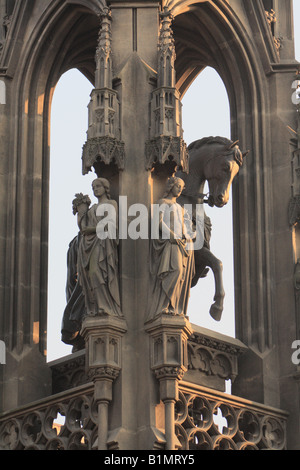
(103, 52)
(166, 51)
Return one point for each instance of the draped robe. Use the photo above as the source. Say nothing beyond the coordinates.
(98, 267)
(172, 265)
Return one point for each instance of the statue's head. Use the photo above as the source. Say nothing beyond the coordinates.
(174, 183)
(104, 182)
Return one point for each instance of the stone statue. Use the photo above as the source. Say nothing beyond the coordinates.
(98, 254)
(217, 161)
(171, 259)
(75, 308)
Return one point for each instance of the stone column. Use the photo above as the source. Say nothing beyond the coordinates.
(134, 38)
(126, 62)
(26, 376)
(169, 361)
(103, 338)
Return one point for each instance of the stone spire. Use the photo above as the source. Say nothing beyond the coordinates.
(103, 78)
(103, 135)
(166, 54)
(166, 143)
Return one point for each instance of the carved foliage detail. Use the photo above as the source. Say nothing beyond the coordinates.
(272, 19)
(106, 149)
(69, 374)
(164, 149)
(211, 363)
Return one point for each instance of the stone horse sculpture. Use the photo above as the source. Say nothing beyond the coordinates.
(216, 160)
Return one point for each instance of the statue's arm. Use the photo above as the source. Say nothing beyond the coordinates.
(83, 222)
(165, 230)
(81, 205)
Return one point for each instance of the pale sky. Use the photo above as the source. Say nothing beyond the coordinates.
(205, 113)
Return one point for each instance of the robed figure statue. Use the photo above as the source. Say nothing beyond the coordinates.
(97, 259)
(172, 264)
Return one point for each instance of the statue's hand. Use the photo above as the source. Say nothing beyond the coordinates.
(176, 240)
(173, 239)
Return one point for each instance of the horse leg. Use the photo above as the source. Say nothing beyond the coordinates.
(210, 260)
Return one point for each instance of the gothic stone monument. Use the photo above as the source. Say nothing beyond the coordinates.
(142, 376)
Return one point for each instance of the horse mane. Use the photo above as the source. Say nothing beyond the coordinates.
(209, 140)
(197, 144)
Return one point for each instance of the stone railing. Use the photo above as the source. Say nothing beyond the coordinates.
(209, 420)
(212, 358)
(206, 418)
(65, 421)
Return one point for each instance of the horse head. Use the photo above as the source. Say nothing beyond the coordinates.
(215, 160)
(219, 169)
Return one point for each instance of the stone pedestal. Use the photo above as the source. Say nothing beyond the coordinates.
(103, 338)
(169, 361)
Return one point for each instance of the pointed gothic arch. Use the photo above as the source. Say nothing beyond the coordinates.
(46, 38)
(65, 38)
(207, 35)
(202, 102)
(68, 131)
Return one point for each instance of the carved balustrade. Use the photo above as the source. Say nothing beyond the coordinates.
(206, 418)
(210, 420)
(66, 421)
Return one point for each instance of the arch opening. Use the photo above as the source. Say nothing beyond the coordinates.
(206, 112)
(42, 63)
(189, 63)
(75, 29)
(69, 118)
(204, 38)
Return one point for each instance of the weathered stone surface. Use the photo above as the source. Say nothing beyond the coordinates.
(44, 38)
